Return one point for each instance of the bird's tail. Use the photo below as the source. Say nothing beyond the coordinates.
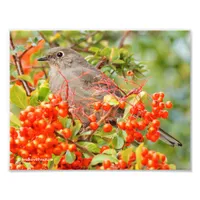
(168, 139)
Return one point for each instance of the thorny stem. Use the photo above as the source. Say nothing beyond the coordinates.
(20, 70)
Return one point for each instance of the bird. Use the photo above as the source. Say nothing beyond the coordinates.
(81, 84)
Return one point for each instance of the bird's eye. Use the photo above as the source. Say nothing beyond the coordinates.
(60, 54)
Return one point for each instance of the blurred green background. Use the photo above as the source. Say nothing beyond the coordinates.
(166, 55)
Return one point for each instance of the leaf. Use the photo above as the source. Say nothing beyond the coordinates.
(118, 142)
(43, 91)
(34, 98)
(50, 164)
(110, 152)
(114, 54)
(94, 49)
(126, 154)
(14, 121)
(26, 78)
(18, 96)
(106, 52)
(27, 165)
(92, 147)
(70, 157)
(101, 157)
(18, 48)
(66, 122)
(118, 62)
(110, 99)
(56, 159)
(172, 166)
(97, 37)
(76, 128)
(139, 156)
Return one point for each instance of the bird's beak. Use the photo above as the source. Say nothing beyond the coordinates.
(42, 59)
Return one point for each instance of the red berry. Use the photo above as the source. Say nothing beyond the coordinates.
(156, 123)
(155, 96)
(121, 125)
(72, 147)
(107, 128)
(94, 126)
(106, 106)
(92, 118)
(106, 164)
(122, 164)
(67, 133)
(103, 148)
(169, 104)
(122, 104)
(97, 105)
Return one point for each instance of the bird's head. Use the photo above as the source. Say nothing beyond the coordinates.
(60, 57)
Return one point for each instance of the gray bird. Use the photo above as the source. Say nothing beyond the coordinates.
(82, 84)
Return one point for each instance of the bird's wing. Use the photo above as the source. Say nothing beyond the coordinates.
(167, 138)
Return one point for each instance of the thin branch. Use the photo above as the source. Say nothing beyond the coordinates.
(25, 51)
(20, 70)
(78, 145)
(101, 63)
(103, 118)
(126, 33)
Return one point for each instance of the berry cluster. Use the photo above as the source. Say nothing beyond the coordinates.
(151, 160)
(154, 160)
(36, 140)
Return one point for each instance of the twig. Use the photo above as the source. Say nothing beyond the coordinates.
(78, 145)
(100, 121)
(20, 70)
(36, 67)
(126, 33)
(101, 63)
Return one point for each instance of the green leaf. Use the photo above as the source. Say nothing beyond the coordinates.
(18, 48)
(97, 37)
(27, 165)
(14, 121)
(92, 147)
(66, 122)
(70, 157)
(126, 154)
(18, 96)
(110, 99)
(139, 156)
(50, 164)
(118, 62)
(26, 78)
(117, 142)
(94, 49)
(56, 159)
(76, 128)
(101, 157)
(43, 91)
(34, 98)
(106, 52)
(115, 55)
(110, 152)
(172, 166)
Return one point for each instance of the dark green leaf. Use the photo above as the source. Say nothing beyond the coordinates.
(18, 96)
